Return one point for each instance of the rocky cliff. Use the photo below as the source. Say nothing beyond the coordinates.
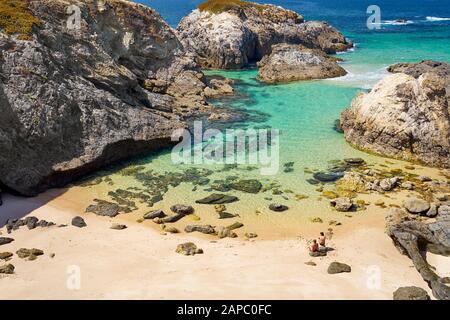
(231, 36)
(404, 117)
(289, 63)
(74, 97)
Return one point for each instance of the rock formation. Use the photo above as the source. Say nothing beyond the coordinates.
(76, 97)
(412, 235)
(289, 63)
(231, 36)
(404, 116)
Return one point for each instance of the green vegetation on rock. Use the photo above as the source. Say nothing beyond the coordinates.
(219, 6)
(17, 18)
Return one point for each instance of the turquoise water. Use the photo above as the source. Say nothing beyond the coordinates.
(305, 112)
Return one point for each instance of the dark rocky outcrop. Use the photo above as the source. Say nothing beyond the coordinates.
(411, 236)
(405, 116)
(73, 100)
(288, 63)
(230, 37)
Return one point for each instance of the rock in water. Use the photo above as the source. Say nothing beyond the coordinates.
(404, 118)
(278, 207)
(337, 267)
(206, 229)
(188, 249)
(115, 88)
(7, 269)
(5, 240)
(411, 293)
(217, 198)
(182, 209)
(231, 36)
(104, 208)
(289, 63)
(248, 186)
(154, 214)
(79, 222)
(417, 206)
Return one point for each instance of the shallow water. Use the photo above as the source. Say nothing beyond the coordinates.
(303, 112)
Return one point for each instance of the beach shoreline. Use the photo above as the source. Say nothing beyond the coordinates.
(140, 263)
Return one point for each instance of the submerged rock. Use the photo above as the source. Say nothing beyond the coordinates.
(338, 267)
(182, 209)
(216, 198)
(188, 249)
(278, 207)
(288, 63)
(232, 36)
(411, 293)
(328, 176)
(248, 186)
(104, 208)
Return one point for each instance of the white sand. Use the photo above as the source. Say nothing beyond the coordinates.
(140, 263)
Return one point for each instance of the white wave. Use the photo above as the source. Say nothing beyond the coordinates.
(437, 19)
(363, 79)
(396, 22)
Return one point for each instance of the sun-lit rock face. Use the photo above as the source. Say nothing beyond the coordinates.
(230, 37)
(403, 117)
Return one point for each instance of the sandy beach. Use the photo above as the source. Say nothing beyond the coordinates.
(139, 262)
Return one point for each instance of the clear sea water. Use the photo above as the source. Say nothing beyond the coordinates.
(305, 112)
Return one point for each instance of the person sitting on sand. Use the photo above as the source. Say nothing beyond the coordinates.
(314, 246)
(322, 239)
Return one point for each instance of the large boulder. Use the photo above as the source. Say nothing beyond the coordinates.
(72, 100)
(289, 63)
(404, 118)
(230, 35)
